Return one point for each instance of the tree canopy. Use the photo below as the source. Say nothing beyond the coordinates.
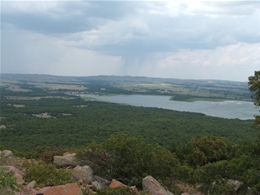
(254, 86)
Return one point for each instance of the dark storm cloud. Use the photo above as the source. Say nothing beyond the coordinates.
(70, 17)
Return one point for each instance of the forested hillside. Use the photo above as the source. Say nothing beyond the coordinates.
(182, 150)
(35, 118)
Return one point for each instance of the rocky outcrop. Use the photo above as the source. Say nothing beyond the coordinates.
(153, 187)
(6, 153)
(67, 160)
(84, 177)
(84, 173)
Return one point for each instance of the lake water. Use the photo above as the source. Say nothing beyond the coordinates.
(226, 109)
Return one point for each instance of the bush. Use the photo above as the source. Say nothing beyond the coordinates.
(208, 149)
(211, 172)
(97, 158)
(129, 159)
(8, 181)
(219, 187)
(47, 154)
(46, 174)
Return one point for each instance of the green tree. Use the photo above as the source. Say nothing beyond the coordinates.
(208, 149)
(133, 159)
(254, 86)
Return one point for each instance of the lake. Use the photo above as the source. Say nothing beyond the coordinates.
(226, 109)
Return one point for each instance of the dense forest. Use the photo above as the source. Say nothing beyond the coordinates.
(175, 147)
(73, 122)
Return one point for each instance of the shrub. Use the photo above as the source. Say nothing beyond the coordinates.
(8, 181)
(218, 187)
(47, 154)
(97, 158)
(208, 149)
(46, 174)
(211, 172)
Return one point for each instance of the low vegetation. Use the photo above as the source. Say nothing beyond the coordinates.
(46, 174)
(8, 182)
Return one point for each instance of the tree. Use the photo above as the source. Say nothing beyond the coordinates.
(133, 159)
(254, 86)
(208, 149)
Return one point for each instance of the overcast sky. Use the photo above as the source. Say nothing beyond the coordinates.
(169, 39)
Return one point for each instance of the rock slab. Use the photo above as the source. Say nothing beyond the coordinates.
(68, 189)
(153, 187)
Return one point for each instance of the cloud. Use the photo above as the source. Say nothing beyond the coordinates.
(149, 38)
(61, 17)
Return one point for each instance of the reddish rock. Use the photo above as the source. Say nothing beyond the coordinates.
(114, 184)
(67, 189)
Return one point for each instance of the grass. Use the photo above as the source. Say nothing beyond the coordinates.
(109, 94)
(194, 99)
(205, 99)
(88, 98)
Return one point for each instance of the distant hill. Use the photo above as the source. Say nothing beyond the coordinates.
(178, 88)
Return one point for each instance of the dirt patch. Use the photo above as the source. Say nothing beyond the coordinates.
(43, 115)
(2, 127)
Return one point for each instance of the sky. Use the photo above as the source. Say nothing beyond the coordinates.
(167, 39)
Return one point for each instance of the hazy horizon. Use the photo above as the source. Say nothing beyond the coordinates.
(202, 40)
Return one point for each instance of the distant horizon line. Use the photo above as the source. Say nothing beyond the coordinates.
(42, 74)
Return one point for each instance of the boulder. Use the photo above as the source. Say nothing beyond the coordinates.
(103, 182)
(96, 186)
(68, 159)
(84, 173)
(31, 185)
(134, 190)
(114, 184)
(237, 184)
(153, 187)
(67, 189)
(7, 153)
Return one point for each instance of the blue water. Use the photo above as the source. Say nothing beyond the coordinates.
(226, 109)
